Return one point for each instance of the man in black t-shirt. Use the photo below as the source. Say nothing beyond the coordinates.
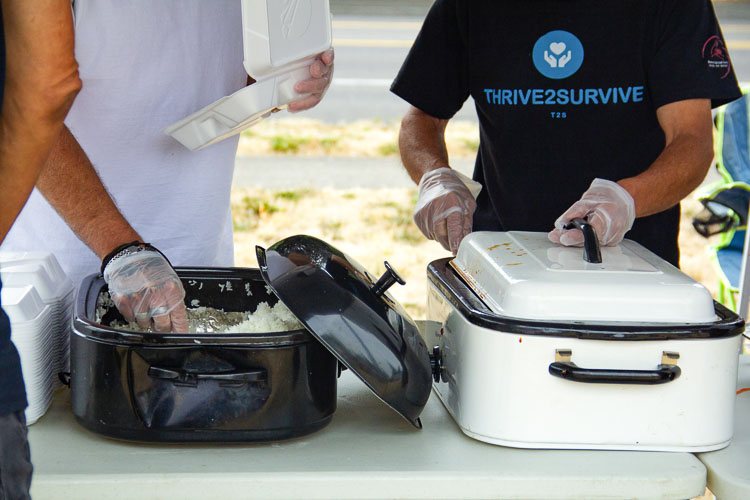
(586, 108)
(38, 82)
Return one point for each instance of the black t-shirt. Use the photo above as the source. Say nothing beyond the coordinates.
(12, 393)
(565, 91)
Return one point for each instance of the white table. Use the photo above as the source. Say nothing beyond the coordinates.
(367, 452)
(729, 469)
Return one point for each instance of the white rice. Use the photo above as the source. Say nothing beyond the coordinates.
(265, 319)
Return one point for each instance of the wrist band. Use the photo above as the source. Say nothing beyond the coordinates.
(128, 249)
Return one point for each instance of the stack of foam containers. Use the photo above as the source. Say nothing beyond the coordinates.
(38, 298)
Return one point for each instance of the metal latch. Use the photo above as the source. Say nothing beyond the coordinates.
(563, 355)
(670, 358)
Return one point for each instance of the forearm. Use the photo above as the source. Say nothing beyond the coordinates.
(68, 178)
(679, 169)
(421, 142)
(683, 163)
(41, 83)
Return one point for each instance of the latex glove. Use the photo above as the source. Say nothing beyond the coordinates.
(146, 289)
(321, 74)
(445, 207)
(607, 206)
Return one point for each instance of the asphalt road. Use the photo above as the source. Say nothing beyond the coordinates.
(372, 38)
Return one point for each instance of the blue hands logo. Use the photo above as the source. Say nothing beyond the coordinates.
(558, 54)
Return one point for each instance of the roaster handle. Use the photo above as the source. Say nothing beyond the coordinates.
(591, 251)
(181, 376)
(569, 371)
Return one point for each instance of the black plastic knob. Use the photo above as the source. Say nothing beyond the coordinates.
(386, 281)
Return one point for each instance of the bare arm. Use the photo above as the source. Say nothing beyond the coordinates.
(683, 164)
(41, 83)
(143, 285)
(67, 178)
(445, 207)
(422, 143)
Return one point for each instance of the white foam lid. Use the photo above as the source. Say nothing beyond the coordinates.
(277, 35)
(31, 274)
(40, 269)
(21, 304)
(280, 41)
(524, 275)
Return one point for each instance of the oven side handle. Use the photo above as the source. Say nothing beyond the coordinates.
(259, 375)
(568, 370)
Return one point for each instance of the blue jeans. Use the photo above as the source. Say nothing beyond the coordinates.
(15, 458)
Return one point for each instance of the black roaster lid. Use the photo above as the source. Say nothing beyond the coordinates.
(348, 310)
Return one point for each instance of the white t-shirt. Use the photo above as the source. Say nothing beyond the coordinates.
(146, 64)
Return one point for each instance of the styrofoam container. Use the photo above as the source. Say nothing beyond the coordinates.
(34, 274)
(280, 41)
(279, 35)
(540, 349)
(22, 305)
(9, 260)
(42, 271)
(34, 333)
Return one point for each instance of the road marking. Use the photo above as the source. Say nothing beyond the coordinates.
(362, 82)
(398, 25)
(371, 42)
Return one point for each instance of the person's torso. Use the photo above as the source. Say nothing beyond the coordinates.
(145, 65)
(562, 92)
(562, 95)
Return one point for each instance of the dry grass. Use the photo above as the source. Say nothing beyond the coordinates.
(364, 138)
(369, 225)
(373, 225)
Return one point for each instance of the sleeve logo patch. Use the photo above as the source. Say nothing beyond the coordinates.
(716, 55)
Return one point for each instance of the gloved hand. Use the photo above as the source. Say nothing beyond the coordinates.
(145, 288)
(445, 207)
(607, 206)
(321, 74)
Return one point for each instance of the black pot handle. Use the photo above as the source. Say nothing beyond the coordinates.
(591, 251)
(667, 371)
(184, 377)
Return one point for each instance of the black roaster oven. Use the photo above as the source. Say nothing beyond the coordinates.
(223, 387)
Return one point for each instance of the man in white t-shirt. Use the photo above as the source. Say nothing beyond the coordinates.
(115, 180)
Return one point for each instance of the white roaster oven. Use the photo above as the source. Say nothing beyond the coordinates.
(281, 38)
(542, 349)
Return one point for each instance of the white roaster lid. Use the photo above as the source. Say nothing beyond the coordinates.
(280, 40)
(524, 275)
